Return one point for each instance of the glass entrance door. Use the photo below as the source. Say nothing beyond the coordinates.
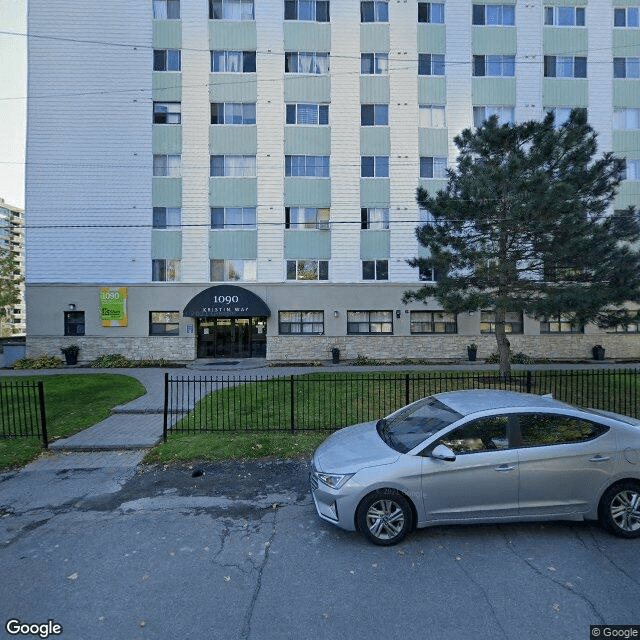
(232, 337)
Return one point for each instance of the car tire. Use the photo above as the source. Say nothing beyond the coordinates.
(384, 517)
(619, 509)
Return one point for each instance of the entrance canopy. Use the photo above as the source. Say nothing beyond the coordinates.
(226, 301)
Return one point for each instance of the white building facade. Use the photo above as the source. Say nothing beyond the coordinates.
(234, 178)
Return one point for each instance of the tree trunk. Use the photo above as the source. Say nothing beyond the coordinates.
(504, 346)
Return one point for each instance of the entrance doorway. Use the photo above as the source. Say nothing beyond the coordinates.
(232, 337)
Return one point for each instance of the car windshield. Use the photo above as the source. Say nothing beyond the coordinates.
(408, 427)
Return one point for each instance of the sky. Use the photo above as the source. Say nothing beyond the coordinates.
(13, 102)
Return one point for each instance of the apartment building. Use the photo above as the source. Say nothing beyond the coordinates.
(12, 241)
(234, 178)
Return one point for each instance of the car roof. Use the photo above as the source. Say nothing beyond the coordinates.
(476, 400)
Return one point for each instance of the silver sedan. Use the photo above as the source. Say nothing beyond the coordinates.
(480, 456)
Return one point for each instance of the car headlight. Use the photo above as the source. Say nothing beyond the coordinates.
(334, 480)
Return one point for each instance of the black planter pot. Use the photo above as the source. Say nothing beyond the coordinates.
(471, 354)
(71, 358)
(598, 353)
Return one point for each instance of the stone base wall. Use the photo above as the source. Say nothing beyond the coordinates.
(552, 347)
(309, 348)
(174, 348)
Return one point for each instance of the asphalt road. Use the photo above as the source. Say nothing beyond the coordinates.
(238, 552)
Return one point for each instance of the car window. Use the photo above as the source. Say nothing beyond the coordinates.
(543, 429)
(483, 434)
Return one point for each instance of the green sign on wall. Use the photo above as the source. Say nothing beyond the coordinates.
(113, 306)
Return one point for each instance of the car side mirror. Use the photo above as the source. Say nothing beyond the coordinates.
(441, 452)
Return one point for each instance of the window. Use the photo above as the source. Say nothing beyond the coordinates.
(374, 218)
(560, 324)
(505, 114)
(233, 61)
(432, 12)
(626, 118)
(235, 218)
(565, 67)
(301, 322)
(369, 322)
(164, 323)
(166, 113)
(233, 113)
(512, 322)
(564, 16)
(74, 323)
(167, 166)
(427, 274)
(306, 62)
(233, 270)
(494, 66)
(626, 67)
(166, 9)
(374, 166)
(374, 115)
(307, 270)
(626, 17)
(375, 269)
(432, 116)
(314, 10)
(231, 10)
(374, 63)
(233, 166)
(433, 322)
(306, 218)
(307, 114)
(166, 59)
(632, 169)
(477, 436)
(543, 429)
(306, 166)
(503, 15)
(632, 327)
(430, 64)
(166, 217)
(561, 114)
(433, 168)
(374, 11)
(165, 270)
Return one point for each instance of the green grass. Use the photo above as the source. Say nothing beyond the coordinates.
(235, 446)
(73, 403)
(254, 419)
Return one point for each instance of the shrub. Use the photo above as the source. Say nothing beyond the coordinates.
(39, 362)
(111, 361)
(516, 358)
(363, 361)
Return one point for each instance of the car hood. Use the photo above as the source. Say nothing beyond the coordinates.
(352, 449)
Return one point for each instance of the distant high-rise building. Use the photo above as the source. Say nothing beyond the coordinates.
(237, 178)
(12, 242)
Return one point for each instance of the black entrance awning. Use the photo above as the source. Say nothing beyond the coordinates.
(226, 301)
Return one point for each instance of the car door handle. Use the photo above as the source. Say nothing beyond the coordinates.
(599, 458)
(505, 467)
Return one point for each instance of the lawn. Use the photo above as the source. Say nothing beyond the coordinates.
(73, 403)
(254, 419)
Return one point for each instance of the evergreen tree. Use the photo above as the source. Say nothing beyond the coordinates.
(10, 280)
(524, 225)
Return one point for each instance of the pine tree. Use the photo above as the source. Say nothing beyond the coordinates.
(524, 225)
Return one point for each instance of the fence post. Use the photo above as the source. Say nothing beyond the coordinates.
(43, 415)
(293, 413)
(166, 406)
(406, 389)
(528, 381)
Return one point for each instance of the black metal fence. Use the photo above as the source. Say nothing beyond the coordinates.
(22, 413)
(318, 402)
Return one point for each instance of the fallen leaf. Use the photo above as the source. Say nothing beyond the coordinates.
(227, 578)
(73, 576)
(556, 607)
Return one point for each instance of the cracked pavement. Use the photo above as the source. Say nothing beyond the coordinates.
(111, 551)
